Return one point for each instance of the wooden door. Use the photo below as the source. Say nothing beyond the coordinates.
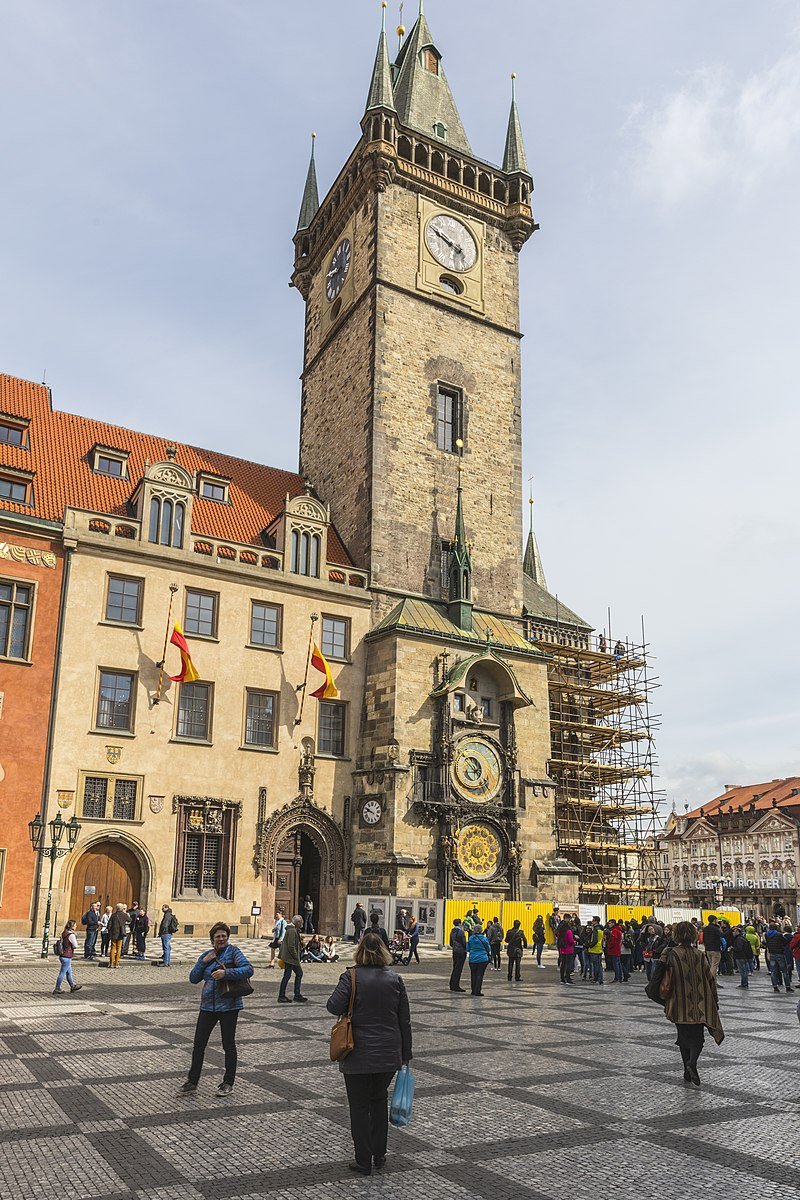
(287, 877)
(114, 873)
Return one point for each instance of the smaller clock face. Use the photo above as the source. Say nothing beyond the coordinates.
(451, 243)
(338, 268)
(371, 812)
(476, 771)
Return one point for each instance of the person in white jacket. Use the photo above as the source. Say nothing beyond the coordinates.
(278, 933)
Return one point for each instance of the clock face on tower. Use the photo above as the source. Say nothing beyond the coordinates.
(371, 812)
(338, 268)
(476, 772)
(451, 243)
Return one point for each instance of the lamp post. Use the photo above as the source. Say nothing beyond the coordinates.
(55, 850)
(717, 883)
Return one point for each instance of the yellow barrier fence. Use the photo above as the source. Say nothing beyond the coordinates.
(526, 912)
(487, 910)
(722, 914)
(628, 912)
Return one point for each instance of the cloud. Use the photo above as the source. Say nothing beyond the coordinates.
(717, 130)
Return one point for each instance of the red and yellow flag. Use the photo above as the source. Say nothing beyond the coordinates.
(188, 672)
(328, 690)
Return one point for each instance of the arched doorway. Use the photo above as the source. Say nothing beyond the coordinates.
(297, 874)
(108, 872)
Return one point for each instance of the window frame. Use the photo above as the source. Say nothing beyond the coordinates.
(177, 528)
(227, 858)
(275, 696)
(30, 607)
(189, 738)
(278, 644)
(111, 778)
(121, 621)
(19, 425)
(214, 596)
(130, 728)
(111, 455)
(306, 553)
(444, 442)
(15, 479)
(214, 481)
(345, 657)
(331, 704)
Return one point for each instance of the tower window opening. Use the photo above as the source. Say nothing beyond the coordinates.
(444, 565)
(451, 285)
(440, 130)
(305, 553)
(449, 418)
(430, 60)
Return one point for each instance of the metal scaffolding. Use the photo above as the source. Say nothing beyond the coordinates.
(602, 757)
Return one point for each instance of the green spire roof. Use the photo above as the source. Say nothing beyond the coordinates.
(423, 98)
(310, 204)
(532, 562)
(381, 92)
(459, 572)
(514, 158)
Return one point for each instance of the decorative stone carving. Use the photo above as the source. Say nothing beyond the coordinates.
(326, 833)
(170, 473)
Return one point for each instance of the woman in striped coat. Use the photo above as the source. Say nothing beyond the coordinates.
(692, 1003)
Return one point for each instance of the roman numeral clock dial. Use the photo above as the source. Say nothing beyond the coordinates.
(338, 269)
(451, 243)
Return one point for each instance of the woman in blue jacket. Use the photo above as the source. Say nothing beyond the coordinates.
(224, 962)
(480, 955)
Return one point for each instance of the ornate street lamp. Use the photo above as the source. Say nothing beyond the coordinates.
(58, 828)
(717, 883)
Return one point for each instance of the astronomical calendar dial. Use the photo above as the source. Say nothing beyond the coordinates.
(451, 243)
(338, 268)
(476, 771)
(479, 851)
(371, 812)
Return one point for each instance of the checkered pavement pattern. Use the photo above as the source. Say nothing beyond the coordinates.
(184, 949)
(533, 1091)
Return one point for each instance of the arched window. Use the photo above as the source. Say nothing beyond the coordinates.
(304, 539)
(306, 553)
(313, 565)
(177, 529)
(155, 518)
(166, 523)
(295, 551)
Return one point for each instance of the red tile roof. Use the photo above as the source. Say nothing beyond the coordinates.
(761, 794)
(59, 454)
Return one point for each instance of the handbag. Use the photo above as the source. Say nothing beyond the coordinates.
(402, 1098)
(342, 1040)
(234, 989)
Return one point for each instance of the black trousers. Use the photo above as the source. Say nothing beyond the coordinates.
(477, 970)
(205, 1023)
(367, 1096)
(515, 960)
(690, 1040)
(458, 967)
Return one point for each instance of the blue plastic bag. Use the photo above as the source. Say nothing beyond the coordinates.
(402, 1098)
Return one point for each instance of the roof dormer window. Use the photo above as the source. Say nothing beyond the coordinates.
(16, 487)
(14, 431)
(440, 131)
(107, 461)
(212, 487)
(430, 60)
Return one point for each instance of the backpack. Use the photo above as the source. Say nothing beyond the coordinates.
(173, 924)
(627, 941)
(58, 948)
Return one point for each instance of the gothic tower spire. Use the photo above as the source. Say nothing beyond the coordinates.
(310, 203)
(514, 158)
(532, 562)
(422, 94)
(381, 90)
(459, 570)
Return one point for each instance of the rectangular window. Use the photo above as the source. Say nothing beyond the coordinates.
(16, 606)
(194, 712)
(124, 600)
(115, 700)
(110, 797)
(104, 465)
(331, 727)
(486, 705)
(13, 435)
(336, 637)
(459, 702)
(259, 720)
(200, 616)
(212, 489)
(449, 418)
(265, 624)
(205, 849)
(17, 490)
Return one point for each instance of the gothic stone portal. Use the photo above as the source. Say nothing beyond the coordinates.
(302, 853)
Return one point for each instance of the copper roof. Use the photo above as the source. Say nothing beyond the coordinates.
(59, 455)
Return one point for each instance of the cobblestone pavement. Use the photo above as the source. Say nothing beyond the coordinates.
(534, 1091)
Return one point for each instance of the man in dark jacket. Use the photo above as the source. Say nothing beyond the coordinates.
(776, 949)
(712, 944)
(289, 954)
(375, 927)
(517, 943)
(91, 919)
(458, 944)
(168, 925)
(133, 913)
(742, 953)
(359, 921)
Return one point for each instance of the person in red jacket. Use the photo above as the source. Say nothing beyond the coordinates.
(794, 950)
(614, 947)
(565, 943)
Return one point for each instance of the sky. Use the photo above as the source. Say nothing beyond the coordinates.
(154, 153)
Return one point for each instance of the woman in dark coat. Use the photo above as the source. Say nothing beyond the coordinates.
(692, 1003)
(382, 1044)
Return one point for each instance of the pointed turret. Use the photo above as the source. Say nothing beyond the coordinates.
(459, 570)
(310, 204)
(381, 90)
(532, 562)
(421, 92)
(514, 158)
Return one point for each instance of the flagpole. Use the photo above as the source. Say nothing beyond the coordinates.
(173, 587)
(302, 687)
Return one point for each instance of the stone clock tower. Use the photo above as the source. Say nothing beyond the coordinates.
(411, 430)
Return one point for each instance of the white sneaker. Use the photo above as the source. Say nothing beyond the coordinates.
(541, 966)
